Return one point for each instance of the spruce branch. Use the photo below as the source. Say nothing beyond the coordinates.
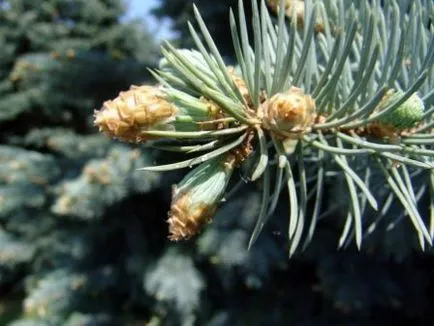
(329, 89)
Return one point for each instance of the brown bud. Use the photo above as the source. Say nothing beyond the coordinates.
(291, 7)
(289, 114)
(196, 197)
(241, 85)
(216, 114)
(139, 109)
(295, 9)
(185, 221)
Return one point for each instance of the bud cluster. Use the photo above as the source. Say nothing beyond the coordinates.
(137, 114)
(178, 110)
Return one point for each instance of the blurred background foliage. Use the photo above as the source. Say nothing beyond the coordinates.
(83, 234)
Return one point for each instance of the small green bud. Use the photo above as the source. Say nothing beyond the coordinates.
(407, 115)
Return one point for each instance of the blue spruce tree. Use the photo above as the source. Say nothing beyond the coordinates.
(308, 134)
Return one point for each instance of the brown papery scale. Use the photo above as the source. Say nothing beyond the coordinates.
(139, 109)
(184, 222)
